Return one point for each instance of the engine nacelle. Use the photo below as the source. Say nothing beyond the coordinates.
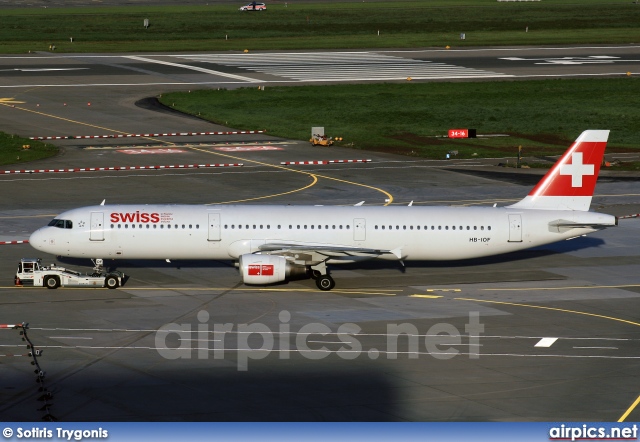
(264, 269)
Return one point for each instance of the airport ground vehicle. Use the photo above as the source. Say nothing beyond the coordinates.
(32, 272)
(253, 6)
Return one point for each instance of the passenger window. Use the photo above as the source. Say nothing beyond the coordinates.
(147, 226)
(453, 227)
(126, 226)
(119, 226)
(312, 226)
(439, 227)
(133, 226)
(112, 226)
(481, 227)
(162, 226)
(489, 228)
(254, 227)
(168, 226)
(382, 227)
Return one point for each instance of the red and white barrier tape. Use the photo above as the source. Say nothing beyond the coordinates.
(301, 163)
(99, 169)
(167, 134)
(10, 325)
(6, 243)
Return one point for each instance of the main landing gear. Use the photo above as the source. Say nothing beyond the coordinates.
(323, 280)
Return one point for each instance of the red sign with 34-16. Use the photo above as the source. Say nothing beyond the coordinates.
(458, 133)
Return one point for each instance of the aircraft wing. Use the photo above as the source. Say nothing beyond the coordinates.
(323, 251)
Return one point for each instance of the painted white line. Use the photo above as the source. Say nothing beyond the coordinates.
(330, 342)
(546, 342)
(67, 337)
(599, 348)
(194, 68)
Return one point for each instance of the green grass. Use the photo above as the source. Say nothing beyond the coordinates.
(12, 150)
(319, 25)
(543, 116)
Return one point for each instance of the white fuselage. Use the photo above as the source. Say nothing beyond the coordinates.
(227, 232)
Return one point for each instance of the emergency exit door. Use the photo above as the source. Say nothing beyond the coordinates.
(359, 229)
(214, 226)
(515, 228)
(97, 226)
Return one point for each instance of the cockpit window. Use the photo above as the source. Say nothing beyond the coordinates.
(61, 224)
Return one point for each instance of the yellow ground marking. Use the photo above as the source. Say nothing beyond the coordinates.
(81, 123)
(628, 412)
(315, 180)
(425, 296)
(444, 290)
(635, 404)
(10, 101)
(522, 289)
(595, 315)
(389, 196)
(288, 169)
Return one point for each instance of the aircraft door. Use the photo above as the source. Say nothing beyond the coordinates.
(515, 228)
(97, 226)
(359, 229)
(214, 226)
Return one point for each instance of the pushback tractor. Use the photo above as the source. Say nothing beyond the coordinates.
(31, 272)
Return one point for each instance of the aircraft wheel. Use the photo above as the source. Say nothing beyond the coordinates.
(111, 282)
(325, 283)
(51, 282)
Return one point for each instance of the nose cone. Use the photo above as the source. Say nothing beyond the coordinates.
(39, 240)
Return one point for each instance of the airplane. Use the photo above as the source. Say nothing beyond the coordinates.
(274, 243)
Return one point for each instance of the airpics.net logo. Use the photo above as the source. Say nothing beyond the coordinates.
(591, 432)
(315, 341)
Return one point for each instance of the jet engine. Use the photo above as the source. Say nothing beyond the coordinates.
(267, 269)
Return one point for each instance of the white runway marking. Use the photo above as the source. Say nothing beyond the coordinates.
(41, 69)
(193, 68)
(341, 66)
(546, 342)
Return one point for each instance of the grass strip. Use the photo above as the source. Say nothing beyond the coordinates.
(13, 149)
(291, 25)
(542, 116)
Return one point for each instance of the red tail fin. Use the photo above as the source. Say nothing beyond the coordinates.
(570, 183)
